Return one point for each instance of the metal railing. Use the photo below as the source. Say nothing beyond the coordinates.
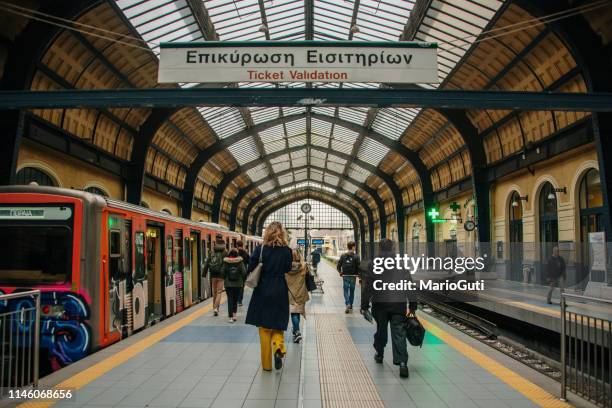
(20, 342)
(586, 353)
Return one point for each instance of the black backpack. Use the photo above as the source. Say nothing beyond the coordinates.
(216, 264)
(233, 272)
(347, 267)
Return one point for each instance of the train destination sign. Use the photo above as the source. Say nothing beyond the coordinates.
(305, 61)
(35, 213)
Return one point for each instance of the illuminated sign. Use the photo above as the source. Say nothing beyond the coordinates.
(299, 61)
(319, 241)
(35, 213)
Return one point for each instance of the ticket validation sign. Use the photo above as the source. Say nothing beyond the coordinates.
(307, 61)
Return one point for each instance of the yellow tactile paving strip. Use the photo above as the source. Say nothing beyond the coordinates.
(533, 392)
(88, 375)
(345, 380)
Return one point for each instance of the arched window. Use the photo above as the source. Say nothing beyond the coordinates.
(167, 211)
(96, 190)
(144, 204)
(591, 217)
(515, 217)
(29, 175)
(549, 226)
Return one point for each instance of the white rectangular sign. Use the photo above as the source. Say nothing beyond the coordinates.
(308, 61)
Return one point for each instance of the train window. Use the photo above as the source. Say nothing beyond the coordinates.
(140, 256)
(35, 254)
(115, 243)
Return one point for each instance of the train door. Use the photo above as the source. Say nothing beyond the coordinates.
(177, 261)
(195, 265)
(233, 243)
(155, 268)
(187, 277)
(118, 268)
(169, 282)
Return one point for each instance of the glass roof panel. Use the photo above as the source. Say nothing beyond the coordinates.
(372, 151)
(267, 186)
(319, 140)
(278, 167)
(276, 146)
(297, 141)
(358, 173)
(271, 134)
(260, 115)
(300, 161)
(392, 122)
(224, 121)
(161, 20)
(258, 172)
(244, 151)
(286, 179)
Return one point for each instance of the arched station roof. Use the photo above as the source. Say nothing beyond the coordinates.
(240, 160)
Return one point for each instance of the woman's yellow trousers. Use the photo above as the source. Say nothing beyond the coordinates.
(270, 341)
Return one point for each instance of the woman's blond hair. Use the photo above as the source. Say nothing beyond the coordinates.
(275, 235)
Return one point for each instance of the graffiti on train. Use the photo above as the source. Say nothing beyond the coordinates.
(64, 334)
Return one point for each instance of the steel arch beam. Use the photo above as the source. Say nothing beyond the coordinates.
(259, 218)
(379, 203)
(358, 228)
(359, 200)
(135, 175)
(19, 70)
(478, 158)
(211, 151)
(244, 191)
(245, 219)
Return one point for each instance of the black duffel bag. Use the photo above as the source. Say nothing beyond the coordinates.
(415, 332)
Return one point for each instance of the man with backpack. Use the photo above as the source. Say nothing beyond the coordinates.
(348, 267)
(315, 258)
(214, 265)
(234, 274)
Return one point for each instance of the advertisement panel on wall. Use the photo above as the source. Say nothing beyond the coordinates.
(305, 61)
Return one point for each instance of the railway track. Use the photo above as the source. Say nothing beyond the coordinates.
(488, 333)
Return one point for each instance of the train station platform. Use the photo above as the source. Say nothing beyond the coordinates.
(197, 360)
(527, 302)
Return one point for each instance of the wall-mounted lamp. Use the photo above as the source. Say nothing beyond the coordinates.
(354, 29)
(552, 194)
(515, 203)
(263, 28)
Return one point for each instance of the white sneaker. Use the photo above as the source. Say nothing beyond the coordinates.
(234, 319)
(231, 320)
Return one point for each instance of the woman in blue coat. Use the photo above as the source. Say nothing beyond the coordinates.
(269, 306)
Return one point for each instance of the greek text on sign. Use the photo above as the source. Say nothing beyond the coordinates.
(306, 61)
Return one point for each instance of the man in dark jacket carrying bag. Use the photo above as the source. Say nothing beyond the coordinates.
(389, 308)
(348, 267)
(245, 259)
(214, 265)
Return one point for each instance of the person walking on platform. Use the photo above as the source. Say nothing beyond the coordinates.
(555, 269)
(269, 305)
(315, 258)
(298, 293)
(348, 267)
(214, 265)
(234, 274)
(389, 308)
(245, 258)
